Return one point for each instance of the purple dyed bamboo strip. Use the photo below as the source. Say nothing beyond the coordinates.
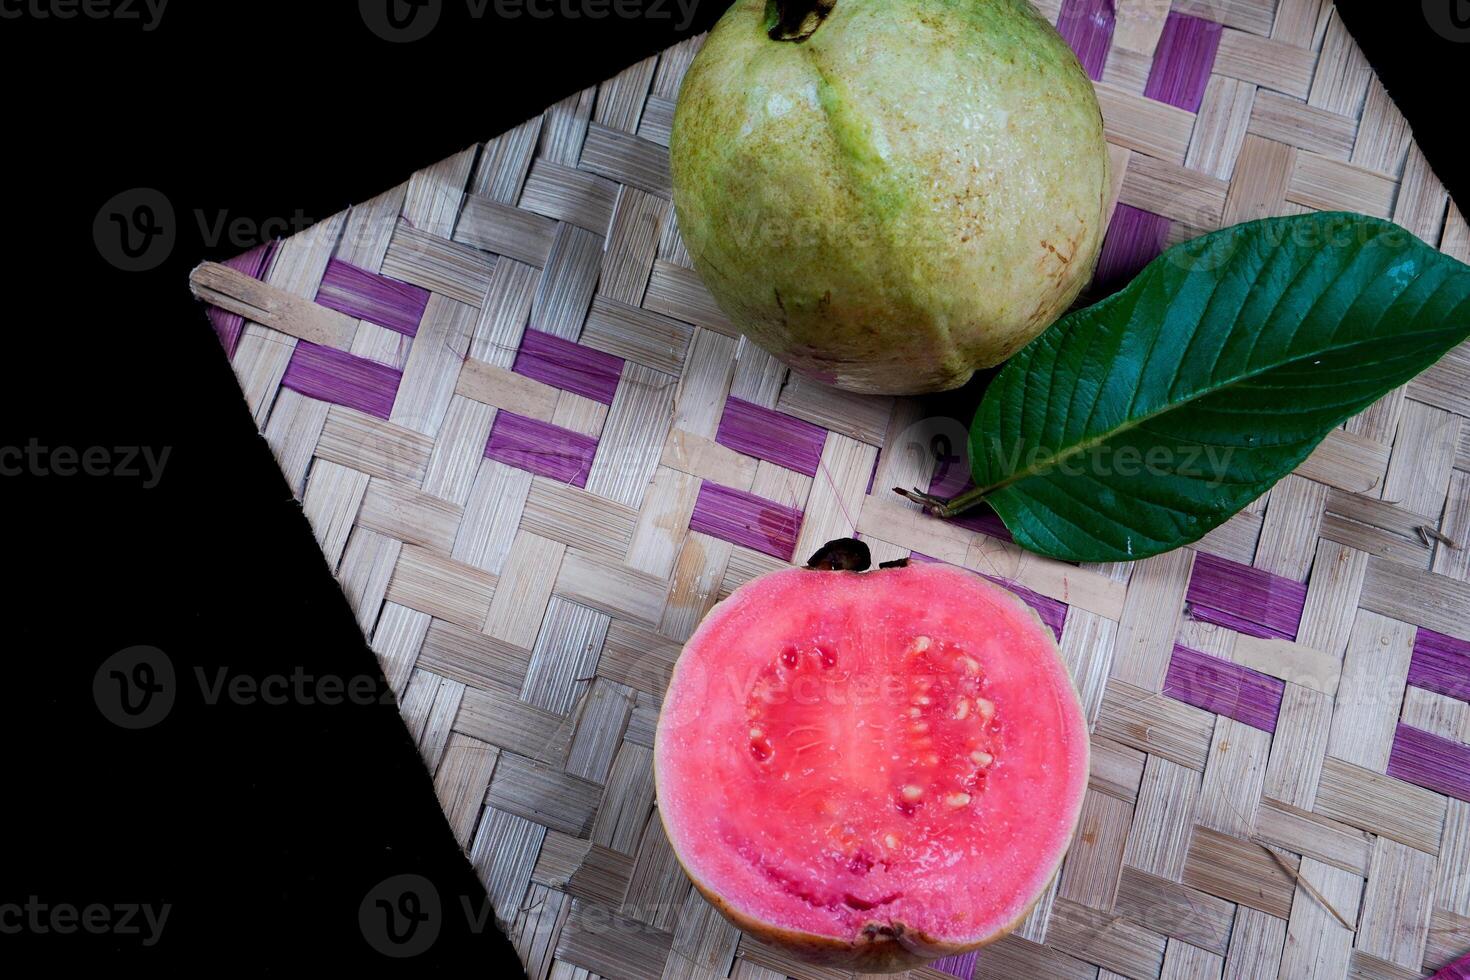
(1458, 970)
(772, 436)
(1087, 25)
(1430, 760)
(228, 326)
(961, 966)
(1441, 664)
(1183, 61)
(1247, 600)
(1224, 688)
(747, 520)
(1135, 238)
(1052, 612)
(343, 379)
(568, 366)
(369, 296)
(541, 448)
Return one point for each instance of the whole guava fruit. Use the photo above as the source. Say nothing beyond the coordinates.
(889, 194)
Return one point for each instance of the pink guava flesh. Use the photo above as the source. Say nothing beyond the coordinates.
(847, 757)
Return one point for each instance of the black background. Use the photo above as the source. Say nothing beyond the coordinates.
(263, 827)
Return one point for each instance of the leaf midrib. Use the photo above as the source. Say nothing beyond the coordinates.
(1092, 443)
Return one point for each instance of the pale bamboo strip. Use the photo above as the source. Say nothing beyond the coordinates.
(1156, 129)
(1106, 939)
(1240, 871)
(1424, 451)
(1094, 864)
(443, 588)
(702, 387)
(1150, 618)
(1317, 945)
(616, 589)
(602, 717)
(537, 792)
(625, 806)
(468, 655)
(1396, 904)
(676, 291)
(1298, 746)
(458, 451)
(1087, 645)
(837, 492)
(564, 660)
(1013, 957)
(1158, 841)
(503, 854)
(524, 590)
(435, 193)
(368, 565)
(657, 885)
(400, 634)
(620, 98)
(1313, 835)
(1220, 126)
(443, 267)
(697, 574)
(433, 365)
(1273, 65)
(1385, 806)
(565, 127)
(1152, 723)
(1185, 962)
(555, 190)
(1175, 910)
(578, 519)
(1257, 942)
(374, 447)
(508, 294)
(1117, 770)
(702, 457)
(292, 432)
(504, 160)
(631, 442)
(461, 782)
(410, 515)
(368, 229)
(632, 244)
(491, 515)
(1289, 532)
(860, 417)
(1374, 672)
(1291, 121)
(1231, 792)
(568, 281)
(1409, 594)
(429, 708)
(635, 334)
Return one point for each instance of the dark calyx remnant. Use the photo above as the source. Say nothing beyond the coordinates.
(842, 555)
(796, 20)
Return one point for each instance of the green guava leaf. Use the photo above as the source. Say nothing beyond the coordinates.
(1139, 424)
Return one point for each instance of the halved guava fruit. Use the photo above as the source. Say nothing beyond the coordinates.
(871, 768)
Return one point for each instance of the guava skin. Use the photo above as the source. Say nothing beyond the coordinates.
(912, 192)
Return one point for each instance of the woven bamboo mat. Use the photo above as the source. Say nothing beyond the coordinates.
(534, 453)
